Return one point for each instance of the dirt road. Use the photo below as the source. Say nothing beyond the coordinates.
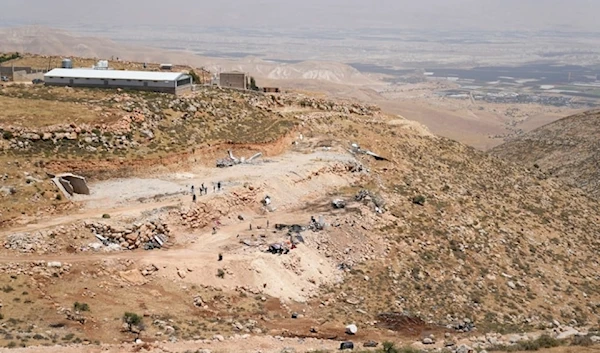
(292, 181)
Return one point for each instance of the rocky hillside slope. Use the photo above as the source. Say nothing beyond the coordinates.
(470, 236)
(469, 240)
(568, 149)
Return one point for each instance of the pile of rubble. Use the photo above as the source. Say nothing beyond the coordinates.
(198, 216)
(24, 242)
(316, 225)
(366, 196)
(202, 214)
(149, 235)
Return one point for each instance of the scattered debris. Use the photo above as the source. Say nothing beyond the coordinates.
(338, 203)
(149, 270)
(266, 201)
(465, 325)
(294, 228)
(366, 196)
(355, 149)
(231, 161)
(278, 248)
(370, 344)
(351, 329)
(315, 225)
(346, 345)
(198, 301)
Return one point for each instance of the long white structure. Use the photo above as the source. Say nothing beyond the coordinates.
(169, 82)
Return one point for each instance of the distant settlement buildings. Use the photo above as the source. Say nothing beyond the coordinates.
(168, 82)
(233, 79)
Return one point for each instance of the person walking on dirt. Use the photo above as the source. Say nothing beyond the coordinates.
(220, 257)
(267, 223)
(214, 188)
(214, 230)
(192, 189)
(219, 186)
(193, 197)
(202, 188)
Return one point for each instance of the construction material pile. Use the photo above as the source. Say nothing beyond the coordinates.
(149, 235)
(232, 160)
(368, 197)
(25, 242)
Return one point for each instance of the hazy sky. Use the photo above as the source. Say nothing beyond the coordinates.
(417, 14)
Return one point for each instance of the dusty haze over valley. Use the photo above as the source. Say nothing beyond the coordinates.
(457, 66)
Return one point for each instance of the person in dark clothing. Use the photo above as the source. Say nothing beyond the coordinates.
(193, 197)
(219, 186)
(192, 189)
(220, 257)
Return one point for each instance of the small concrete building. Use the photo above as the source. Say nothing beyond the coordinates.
(234, 79)
(168, 82)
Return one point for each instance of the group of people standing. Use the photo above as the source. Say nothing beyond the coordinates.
(203, 190)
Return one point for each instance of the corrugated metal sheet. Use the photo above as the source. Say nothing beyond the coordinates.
(116, 74)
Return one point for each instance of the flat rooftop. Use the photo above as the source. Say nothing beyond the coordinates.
(116, 74)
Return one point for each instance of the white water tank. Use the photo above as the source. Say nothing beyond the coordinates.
(101, 65)
(67, 64)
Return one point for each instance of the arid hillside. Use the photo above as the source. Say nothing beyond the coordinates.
(347, 216)
(567, 149)
(479, 124)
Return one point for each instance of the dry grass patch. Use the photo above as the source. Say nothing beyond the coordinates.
(40, 113)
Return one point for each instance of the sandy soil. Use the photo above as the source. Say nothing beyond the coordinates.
(291, 180)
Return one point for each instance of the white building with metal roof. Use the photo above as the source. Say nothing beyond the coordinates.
(169, 82)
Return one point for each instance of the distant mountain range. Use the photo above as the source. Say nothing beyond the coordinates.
(47, 41)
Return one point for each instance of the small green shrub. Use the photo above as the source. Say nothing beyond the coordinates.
(582, 341)
(81, 306)
(133, 321)
(389, 347)
(106, 215)
(419, 200)
(11, 344)
(220, 273)
(544, 341)
(7, 289)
